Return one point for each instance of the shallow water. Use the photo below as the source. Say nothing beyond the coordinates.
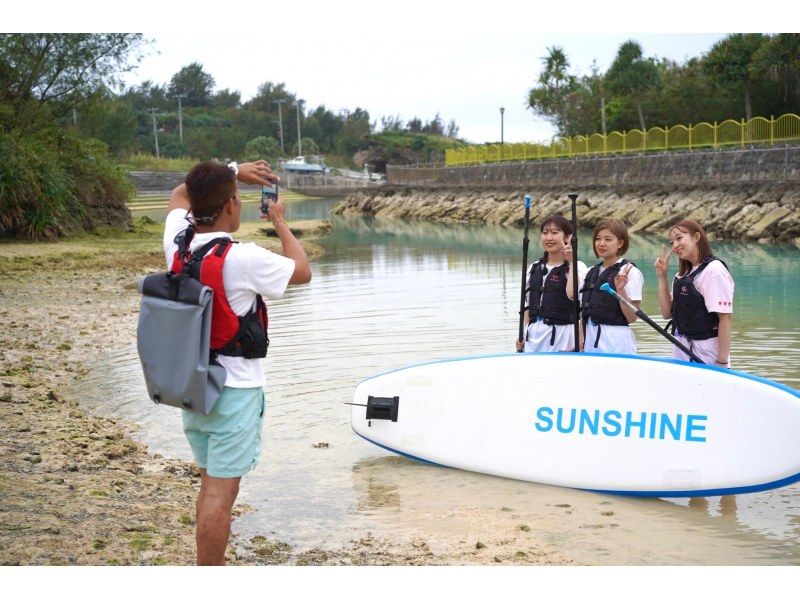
(389, 293)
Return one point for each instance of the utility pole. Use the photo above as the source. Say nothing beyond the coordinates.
(603, 113)
(180, 118)
(280, 121)
(154, 111)
(299, 138)
(502, 112)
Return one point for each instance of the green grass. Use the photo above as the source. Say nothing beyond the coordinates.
(140, 542)
(150, 163)
(186, 519)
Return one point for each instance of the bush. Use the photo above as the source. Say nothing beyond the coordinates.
(310, 147)
(262, 148)
(48, 180)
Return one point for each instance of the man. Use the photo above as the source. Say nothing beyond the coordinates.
(226, 443)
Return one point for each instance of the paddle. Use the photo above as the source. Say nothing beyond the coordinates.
(525, 243)
(607, 288)
(574, 197)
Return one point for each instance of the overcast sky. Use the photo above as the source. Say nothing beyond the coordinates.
(463, 60)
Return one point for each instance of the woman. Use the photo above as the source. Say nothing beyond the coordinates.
(549, 310)
(607, 320)
(700, 301)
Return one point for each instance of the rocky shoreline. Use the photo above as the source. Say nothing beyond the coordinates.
(763, 212)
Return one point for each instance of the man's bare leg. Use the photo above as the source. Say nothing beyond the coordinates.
(214, 504)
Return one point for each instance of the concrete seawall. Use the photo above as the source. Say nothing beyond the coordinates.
(768, 212)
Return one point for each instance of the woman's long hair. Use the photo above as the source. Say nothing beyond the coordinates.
(690, 227)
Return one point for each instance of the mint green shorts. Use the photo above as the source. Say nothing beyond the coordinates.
(227, 441)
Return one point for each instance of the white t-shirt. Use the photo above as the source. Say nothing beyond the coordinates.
(538, 334)
(249, 270)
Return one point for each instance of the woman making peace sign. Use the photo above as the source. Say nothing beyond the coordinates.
(549, 308)
(606, 320)
(700, 301)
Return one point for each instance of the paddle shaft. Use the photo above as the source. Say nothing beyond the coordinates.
(525, 244)
(574, 198)
(658, 328)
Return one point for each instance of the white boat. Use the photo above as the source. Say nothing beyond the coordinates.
(300, 165)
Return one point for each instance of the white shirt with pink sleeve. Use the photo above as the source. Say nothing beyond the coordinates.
(716, 285)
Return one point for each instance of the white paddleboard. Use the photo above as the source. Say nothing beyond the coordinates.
(612, 423)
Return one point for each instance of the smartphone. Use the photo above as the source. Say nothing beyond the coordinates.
(268, 193)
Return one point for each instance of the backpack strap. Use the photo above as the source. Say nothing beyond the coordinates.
(193, 265)
(184, 239)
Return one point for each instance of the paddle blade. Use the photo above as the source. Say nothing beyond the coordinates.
(607, 288)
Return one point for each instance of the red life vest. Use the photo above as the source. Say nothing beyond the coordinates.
(237, 336)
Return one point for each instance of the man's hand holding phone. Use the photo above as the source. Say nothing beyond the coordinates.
(272, 206)
(269, 196)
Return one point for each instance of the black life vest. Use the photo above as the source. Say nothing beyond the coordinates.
(602, 307)
(690, 318)
(548, 295)
(232, 335)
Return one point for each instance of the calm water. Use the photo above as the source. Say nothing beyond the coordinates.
(388, 293)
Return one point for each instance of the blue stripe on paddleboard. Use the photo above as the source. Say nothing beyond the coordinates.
(712, 492)
(737, 373)
(640, 493)
(401, 453)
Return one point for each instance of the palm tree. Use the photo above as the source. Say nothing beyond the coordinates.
(631, 75)
(730, 63)
(779, 59)
(549, 98)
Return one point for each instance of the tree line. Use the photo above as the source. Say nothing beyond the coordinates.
(743, 75)
(193, 118)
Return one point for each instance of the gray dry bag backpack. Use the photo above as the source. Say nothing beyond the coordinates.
(173, 338)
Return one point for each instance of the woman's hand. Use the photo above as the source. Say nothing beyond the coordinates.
(662, 262)
(621, 279)
(566, 251)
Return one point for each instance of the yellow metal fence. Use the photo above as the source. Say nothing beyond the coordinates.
(726, 133)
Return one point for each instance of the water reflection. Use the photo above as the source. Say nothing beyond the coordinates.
(592, 528)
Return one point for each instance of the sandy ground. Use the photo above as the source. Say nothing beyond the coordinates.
(74, 487)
